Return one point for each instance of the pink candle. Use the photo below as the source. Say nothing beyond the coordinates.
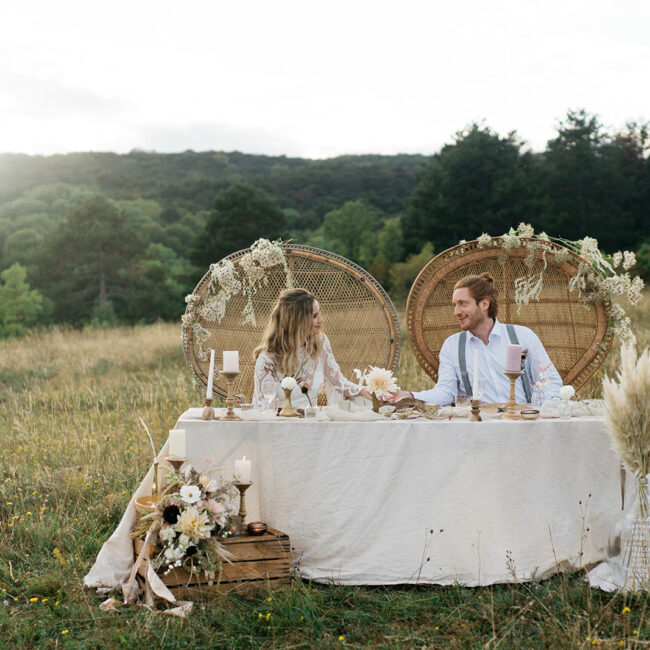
(513, 358)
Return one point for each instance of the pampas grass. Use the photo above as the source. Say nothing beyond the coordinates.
(628, 410)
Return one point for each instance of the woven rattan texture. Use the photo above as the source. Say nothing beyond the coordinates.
(359, 317)
(577, 337)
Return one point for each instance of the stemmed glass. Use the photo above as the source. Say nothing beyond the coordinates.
(269, 390)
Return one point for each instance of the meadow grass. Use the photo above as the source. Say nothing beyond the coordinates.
(71, 454)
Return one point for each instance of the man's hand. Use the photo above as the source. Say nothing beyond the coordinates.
(396, 397)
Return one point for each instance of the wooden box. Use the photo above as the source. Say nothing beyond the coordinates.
(259, 561)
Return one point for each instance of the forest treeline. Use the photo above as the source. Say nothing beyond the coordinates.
(95, 238)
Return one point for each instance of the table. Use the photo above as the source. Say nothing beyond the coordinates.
(391, 502)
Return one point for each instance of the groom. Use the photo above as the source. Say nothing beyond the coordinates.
(475, 307)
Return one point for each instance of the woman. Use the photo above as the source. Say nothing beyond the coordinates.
(295, 345)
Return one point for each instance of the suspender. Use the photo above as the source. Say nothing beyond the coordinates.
(462, 362)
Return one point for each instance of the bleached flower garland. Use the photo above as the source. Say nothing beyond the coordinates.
(228, 280)
(597, 279)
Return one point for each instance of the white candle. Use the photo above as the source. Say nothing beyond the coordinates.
(177, 443)
(243, 470)
(208, 392)
(231, 361)
(475, 381)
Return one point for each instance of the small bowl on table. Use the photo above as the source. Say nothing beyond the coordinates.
(256, 528)
(529, 414)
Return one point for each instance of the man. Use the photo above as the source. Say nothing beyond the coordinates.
(475, 306)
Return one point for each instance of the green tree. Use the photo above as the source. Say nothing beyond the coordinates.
(351, 231)
(402, 274)
(89, 261)
(242, 214)
(23, 247)
(20, 306)
(478, 184)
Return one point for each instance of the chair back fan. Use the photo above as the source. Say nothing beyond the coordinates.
(359, 317)
(576, 336)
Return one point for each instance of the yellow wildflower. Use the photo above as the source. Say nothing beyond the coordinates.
(33, 600)
(64, 632)
(635, 632)
(341, 638)
(626, 610)
(268, 616)
(302, 618)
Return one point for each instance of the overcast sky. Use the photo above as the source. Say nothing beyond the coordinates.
(312, 78)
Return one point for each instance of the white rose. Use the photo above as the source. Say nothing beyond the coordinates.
(288, 383)
(567, 392)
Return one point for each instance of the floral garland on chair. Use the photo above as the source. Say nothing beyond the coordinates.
(597, 278)
(228, 280)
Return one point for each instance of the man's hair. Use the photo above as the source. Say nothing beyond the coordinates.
(480, 287)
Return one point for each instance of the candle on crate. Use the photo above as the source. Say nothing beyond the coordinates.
(475, 382)
(208, 392)
(177, 443)
(243, 470)
(513, 358)
(231, 361)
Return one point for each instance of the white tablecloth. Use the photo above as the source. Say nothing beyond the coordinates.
(389, 502)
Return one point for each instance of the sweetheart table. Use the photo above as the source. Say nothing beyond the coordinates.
(413, 501)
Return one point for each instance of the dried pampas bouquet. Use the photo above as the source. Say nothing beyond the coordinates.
(628, 423)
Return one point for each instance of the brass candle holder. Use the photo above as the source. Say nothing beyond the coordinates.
(475, 414)
(510, 413)
(208, 412)
(242, 487)
(230, 400)
(176, 462)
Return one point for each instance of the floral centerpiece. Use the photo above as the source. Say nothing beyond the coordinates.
(192, 514)
(380, 383)
(287, 385)
(600, 277)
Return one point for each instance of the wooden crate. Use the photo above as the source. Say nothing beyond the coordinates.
(259, 562)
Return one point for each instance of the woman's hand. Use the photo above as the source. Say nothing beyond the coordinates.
(366, 393)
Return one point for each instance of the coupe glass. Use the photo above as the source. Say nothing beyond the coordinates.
(269, 390)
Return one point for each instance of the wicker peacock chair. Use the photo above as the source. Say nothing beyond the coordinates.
(359, 317)
(576, 336)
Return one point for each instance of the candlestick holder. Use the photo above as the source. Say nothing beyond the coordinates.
(510, 413)
(242, 487)
(475, 414)
(176, 462)
(230, 400)
(208, 411)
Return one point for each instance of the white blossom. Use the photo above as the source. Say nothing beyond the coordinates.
(484, 240)
(629, 260)
(525, 230)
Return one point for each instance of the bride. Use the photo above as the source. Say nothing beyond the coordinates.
(295, 345)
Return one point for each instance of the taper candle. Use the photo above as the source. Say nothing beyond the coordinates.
(208, 392)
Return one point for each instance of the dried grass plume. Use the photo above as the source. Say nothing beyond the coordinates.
(627, 398)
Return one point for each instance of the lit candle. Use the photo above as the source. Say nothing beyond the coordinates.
(243, 470)
(231, 361)
(475, 382)
(208, 392)
(177, 443)
(513, 358)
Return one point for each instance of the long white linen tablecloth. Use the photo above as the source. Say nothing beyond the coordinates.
(389, 502)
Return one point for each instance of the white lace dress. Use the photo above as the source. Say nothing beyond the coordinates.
(318, 374)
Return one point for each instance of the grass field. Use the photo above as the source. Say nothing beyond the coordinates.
(71, 455)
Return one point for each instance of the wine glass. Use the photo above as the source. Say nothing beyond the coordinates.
(269, 390)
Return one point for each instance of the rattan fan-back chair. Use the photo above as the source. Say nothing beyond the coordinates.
(359, 317)
(576, 336)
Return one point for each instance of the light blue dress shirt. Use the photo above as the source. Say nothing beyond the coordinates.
(491, 361)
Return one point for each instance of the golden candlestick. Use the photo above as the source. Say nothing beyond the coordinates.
(230, 400)
(475, 414)
(176, 462)
(242, 487)
(510, 413)
(208, 412)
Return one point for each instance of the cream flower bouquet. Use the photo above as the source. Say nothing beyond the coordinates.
(380, 383)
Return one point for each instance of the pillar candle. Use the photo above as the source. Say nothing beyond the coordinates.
(177, 443)
(208, 392)
(475, 381)
(231, 361)
(243, 470)
(513, 358)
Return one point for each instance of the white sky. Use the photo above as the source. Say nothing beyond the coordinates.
(312, 78)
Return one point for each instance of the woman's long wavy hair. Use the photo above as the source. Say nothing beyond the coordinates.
(289, 328)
